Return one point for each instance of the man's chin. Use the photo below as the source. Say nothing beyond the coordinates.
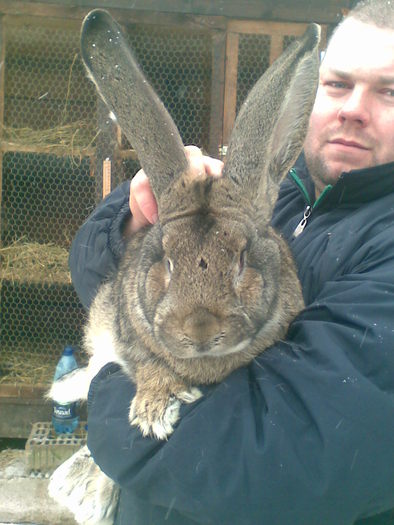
(335, 169)
(324, 171)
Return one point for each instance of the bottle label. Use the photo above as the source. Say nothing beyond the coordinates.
(65, 412)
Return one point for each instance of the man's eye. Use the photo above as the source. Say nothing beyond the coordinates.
(389, 92)
(337, 84)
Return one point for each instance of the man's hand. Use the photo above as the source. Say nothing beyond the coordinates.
(143, 205)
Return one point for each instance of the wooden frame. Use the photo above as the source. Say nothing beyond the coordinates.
(277, 31)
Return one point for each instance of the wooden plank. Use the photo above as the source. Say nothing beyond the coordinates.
(21, 391)
(58, 151)
(24, 406)
(324, 11)
(18, 416)
(266, 28)
(107, 177)
(276, 46)
(60, 15)
(217, 93)
(106, 146)
(230, 89)
(51, 21)
(277, 30)
(323, 39)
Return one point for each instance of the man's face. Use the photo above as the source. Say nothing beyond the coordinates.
(352, 122)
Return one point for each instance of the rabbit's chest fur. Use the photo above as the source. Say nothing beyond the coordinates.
(121, 329)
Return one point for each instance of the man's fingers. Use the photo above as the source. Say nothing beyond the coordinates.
(213, 167)
(201, 164)
(142, 202)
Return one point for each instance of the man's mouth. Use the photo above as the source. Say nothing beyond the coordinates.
(348, 143)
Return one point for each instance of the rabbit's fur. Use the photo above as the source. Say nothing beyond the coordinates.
(210, 285)
(82, 487)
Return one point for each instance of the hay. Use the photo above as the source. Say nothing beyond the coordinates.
(32, 362)
(77, 138)
(34, 263)
(27, 369)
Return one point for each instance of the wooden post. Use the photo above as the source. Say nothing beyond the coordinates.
(217, 93)
(230, 89)
(2, 96)
(276, 47)
(105, 151)
(107, 183)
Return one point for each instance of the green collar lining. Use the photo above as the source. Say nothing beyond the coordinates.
(300, 184)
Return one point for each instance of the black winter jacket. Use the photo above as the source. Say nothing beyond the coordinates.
(304, 435)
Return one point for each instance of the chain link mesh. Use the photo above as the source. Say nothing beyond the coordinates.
(53, 138)
(253, 60)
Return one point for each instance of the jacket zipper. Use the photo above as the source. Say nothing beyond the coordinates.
(303, 222)
(309, 207)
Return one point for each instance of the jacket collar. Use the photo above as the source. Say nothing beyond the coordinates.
(353, 188)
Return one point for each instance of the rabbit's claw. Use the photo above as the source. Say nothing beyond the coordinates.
(156, 417)
(79, 485)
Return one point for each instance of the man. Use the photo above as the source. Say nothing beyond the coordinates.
(305, 434)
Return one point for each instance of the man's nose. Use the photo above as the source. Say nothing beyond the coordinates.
(355, 108)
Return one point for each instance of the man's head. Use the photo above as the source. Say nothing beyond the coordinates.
(352, 122)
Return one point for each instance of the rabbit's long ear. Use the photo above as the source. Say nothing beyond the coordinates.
(140, 113)
(271, 126)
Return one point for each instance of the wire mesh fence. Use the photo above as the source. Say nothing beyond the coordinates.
(54, 139)
(55, 134)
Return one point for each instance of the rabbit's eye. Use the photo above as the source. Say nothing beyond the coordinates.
(242, 260)
(170, 265)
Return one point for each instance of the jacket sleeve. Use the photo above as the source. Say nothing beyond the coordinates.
(98, 245)
(303, 435)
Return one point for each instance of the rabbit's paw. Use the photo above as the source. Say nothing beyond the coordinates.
(79, 485)
(157, 415)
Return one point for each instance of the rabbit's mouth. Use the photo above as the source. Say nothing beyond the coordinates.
(185, 348)
(201, 333)
(221, 350)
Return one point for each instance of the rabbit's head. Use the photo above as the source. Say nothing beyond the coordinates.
(211, 275)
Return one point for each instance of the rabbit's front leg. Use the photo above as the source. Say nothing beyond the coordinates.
(155, 407)
(80, 486)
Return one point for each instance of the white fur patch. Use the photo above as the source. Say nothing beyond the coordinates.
(80, 486)
(72, 387)
(75, 385)
(104, 351)
(162, 427)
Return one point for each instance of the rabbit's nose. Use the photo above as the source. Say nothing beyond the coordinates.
(201, 326)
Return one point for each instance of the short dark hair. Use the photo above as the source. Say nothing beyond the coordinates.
(377, 12)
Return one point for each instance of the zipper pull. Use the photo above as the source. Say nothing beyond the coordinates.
(303, 222)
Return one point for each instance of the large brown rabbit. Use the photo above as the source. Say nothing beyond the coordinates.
(210, 285)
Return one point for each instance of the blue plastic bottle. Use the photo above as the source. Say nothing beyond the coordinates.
(65, 418)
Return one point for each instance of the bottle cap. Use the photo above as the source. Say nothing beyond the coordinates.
(68, 350)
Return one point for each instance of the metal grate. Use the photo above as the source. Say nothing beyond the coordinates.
(287, 40)
(178, 65)
(253, 60)
(45, 197)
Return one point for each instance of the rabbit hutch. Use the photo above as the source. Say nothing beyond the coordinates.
(60, 153)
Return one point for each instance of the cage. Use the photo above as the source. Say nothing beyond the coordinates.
(56, 137)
